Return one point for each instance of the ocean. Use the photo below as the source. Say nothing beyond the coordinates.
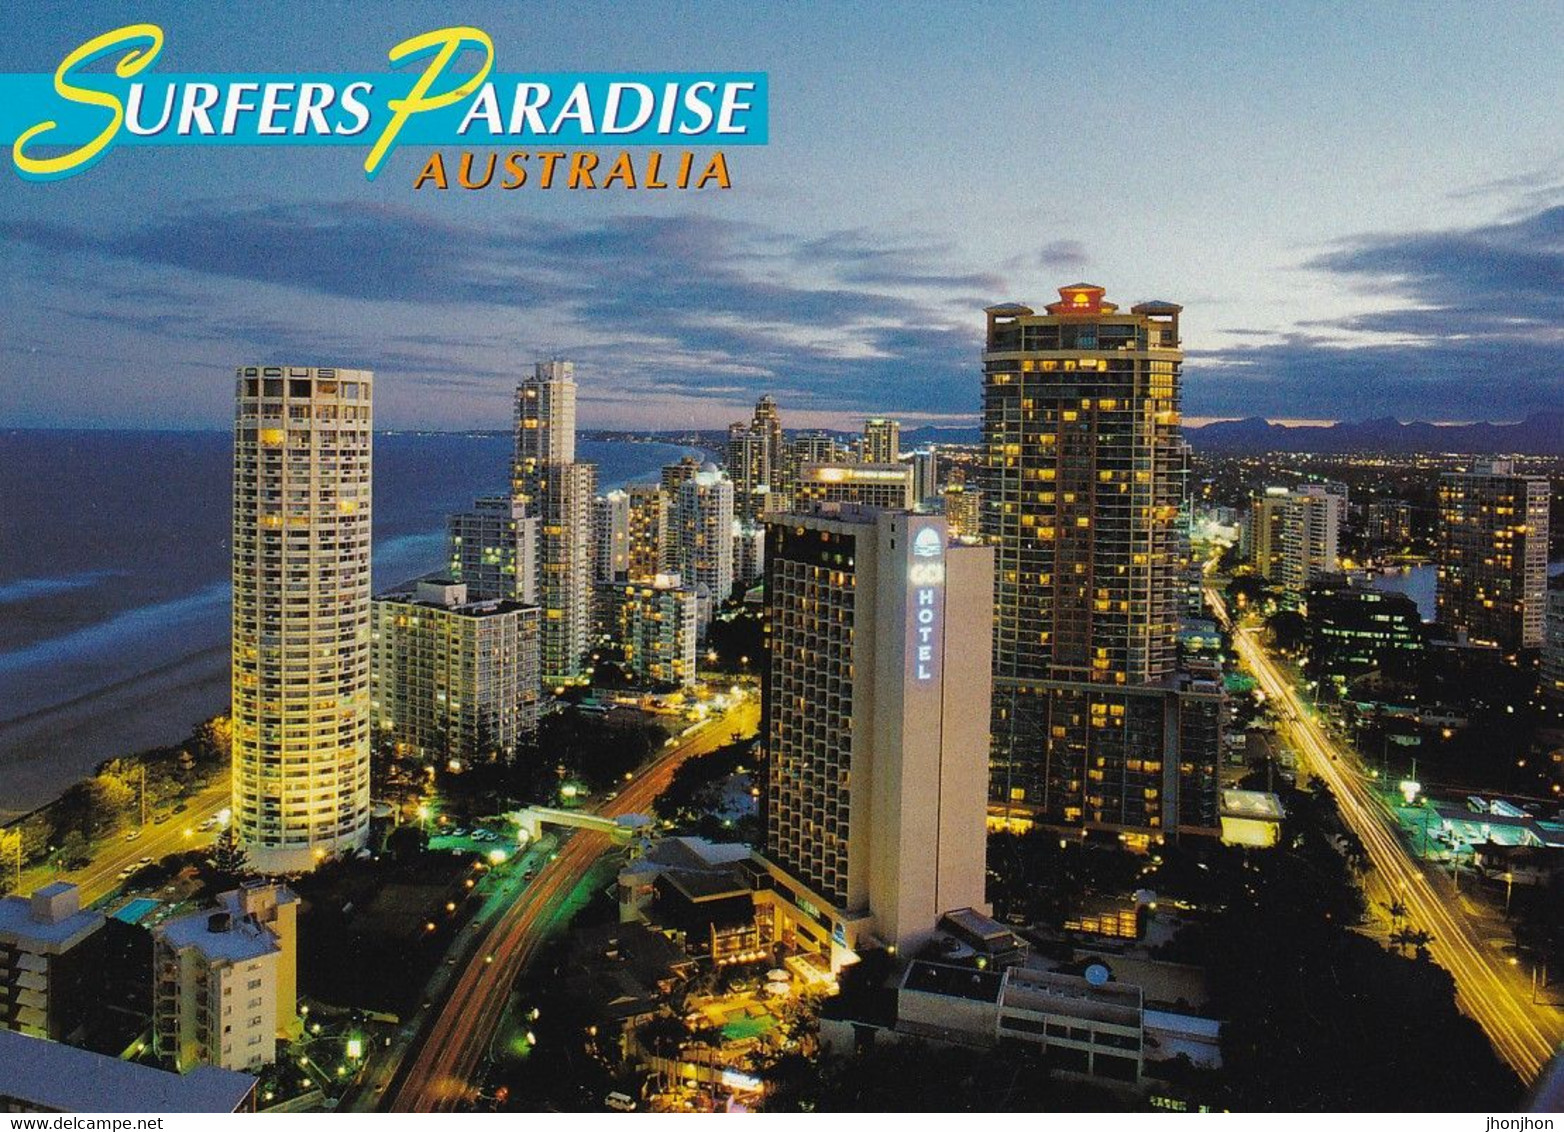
(114, 595)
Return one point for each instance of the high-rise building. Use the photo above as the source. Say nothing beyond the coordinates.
(881, 441)
(812, 448)
(925, 475)
(49, 947)
(546, 415)
(964, 510)
(870, 485)
(648, 551)
(493, 550)
(702, 523)
(675, 474)
(611, 536)
(748, 467)
(1292, 536)
(874, 723)
(767, 422)
(225, 980)
(1389, 523)
(1353, 630)
(1084, 472)
(749, 553)
(1493, 554)
(301, 544)
(452, 678)
(1553, 640)
(653, 620)
(559, 491)
(1192, 600)
(756, 461)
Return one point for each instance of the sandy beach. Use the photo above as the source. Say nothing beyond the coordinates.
(45, 752)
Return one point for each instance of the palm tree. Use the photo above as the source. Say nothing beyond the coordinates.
(1416, 938)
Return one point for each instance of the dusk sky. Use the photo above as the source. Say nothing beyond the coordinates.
(1361, 208)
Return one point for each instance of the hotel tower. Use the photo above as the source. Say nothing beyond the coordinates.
(874, 723)
(301, 633)
(1093, 724)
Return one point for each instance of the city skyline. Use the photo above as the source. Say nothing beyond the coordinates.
(717, 733)
(1390, 293)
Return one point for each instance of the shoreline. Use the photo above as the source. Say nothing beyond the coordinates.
(46, 750)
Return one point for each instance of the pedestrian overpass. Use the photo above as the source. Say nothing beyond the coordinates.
(623, 829)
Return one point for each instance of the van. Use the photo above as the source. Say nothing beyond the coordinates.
(619, 1102)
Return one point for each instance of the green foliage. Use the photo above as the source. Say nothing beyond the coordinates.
(1036, 877)
(692, 784)
(738, 632)
(1289, 630)
(1319, 1017)
(599, 752)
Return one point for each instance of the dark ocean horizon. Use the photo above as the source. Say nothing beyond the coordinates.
(114, 590)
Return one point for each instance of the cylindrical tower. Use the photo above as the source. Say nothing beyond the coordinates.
(303, 440)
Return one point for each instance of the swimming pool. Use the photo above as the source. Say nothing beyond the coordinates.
(137, 910)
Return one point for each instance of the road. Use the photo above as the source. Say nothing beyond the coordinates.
(441, 1075)
(1488, 989)
(101, 877)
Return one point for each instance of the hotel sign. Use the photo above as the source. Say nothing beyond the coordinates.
(926, 575)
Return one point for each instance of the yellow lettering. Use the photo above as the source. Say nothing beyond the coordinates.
(581, 166)
(622, 171)
(445, 44)
(434, 171)
(514, 169)
(654, 164)
(464, 174)
(549, 161)
(716, 168)
(149, 42)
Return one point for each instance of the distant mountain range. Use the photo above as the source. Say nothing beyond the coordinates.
(1541, 434)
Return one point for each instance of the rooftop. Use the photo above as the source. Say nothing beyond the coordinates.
(1252, 804)
(952, 982)
(62, 1078)
(22, 920)
(239, 942)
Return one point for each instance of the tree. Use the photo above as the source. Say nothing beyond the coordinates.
(10, 860)
(1416, 938)
(1289, 630)
(212, 741)
(1249, 590)
(229, 860)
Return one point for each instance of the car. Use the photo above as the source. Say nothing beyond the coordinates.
(144, 862)
(127, 872)
(132, 835)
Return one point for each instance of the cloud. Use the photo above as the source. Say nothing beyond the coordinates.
(1461, 324)
(1062, 253)
(675, 304)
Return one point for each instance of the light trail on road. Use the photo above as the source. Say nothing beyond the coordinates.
(101, 877)
(1514, 1026)
(441, 1076)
